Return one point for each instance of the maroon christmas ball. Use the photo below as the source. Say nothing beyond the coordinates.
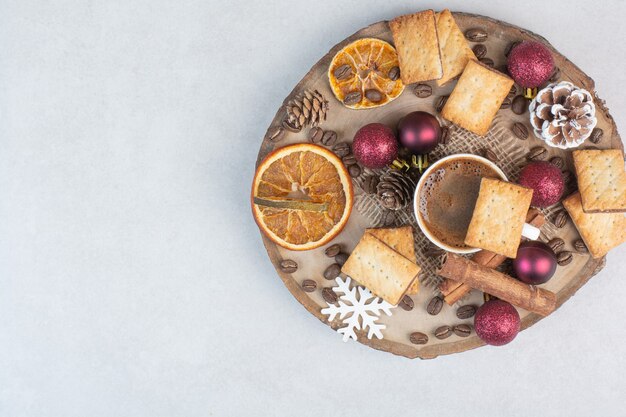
(547, 183)
(419, 132)
(530, 64)
(375, 146)
(497, 322)
(535, 262)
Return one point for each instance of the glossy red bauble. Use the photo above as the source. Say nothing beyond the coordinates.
(535, 262)
(419, 132)
(375, 146)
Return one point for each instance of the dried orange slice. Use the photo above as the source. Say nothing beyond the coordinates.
(365, 74)
(301, 196)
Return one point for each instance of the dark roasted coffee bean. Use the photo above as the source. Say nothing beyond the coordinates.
(487, 61)
(466, 311)
(476, 35)
(341, 258)
(596, 135)
(373, 95)
(422, 90)
(418, 338)
(329, 295)
(510, 46)
(519, 105)
(354, 170)
(480, 50)
(352, 98)
(560, 219)
(275, 134)
(443, 332)
(441, 101)
(308, 285)
(556, 75)
(394, 73)
(343, 72)
(520, 130)
(580, 246)
(568, 176)
(558, 162)
(563, 258)
(445, 135)
(434, 306)
(512, 91)
(538, 153)
(506, 103)
(341, 149)
(288, 266)
(348, 160)
(556, 244)
(332, 250)
(490, 155)
(503, 69)
(332, 271)
(406, 303)
(329, 138)
(316, 134)
(462, 330)
(433, 251)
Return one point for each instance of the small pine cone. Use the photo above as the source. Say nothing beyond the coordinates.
(370, 183)
(395, 190)
(309, 108)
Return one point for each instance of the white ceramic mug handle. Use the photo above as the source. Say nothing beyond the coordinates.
(530, 232)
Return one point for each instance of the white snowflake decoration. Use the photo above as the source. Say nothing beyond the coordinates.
(357, 311)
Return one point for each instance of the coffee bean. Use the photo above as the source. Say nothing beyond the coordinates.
(462, 330)
(506, 103)
(487, 61)
(352, 98)
(568, 176)
(510, 46)
(406, 303)
(373, 95)
(348, 160)
(476, 35)
(332, 271)
(329, 295)
(596, 135)
(394, 73)
(343, 72)
(558, 162)
(443, 332)
(369, 184)
(563, 258)
(512, 91)
(490, 155)
(329, 138)
(418, 338)
(466, 311)
(433, 251)
(556, 244)
(445, 135)
(341, 258)
(276, 134)
(441, 101)
(538, 153)
(556, 75)
(520, 130)
(580, 246)
(332, 250)
(503, 69)
(354, 170)
(315, 134)
(434, 306)
(519, 105)
(288, 266)
(480, 50)
(560, 219)
(341, 149)
(422, 90)
(308, 285)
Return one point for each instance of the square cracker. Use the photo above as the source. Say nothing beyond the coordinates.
(401, 240)
(499, 217)
(416, 41)
(601, 232)
(601, 180)
(477, 97)
(382, 270)
(455, 51)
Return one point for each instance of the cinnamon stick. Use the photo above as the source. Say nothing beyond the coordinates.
(453, 291)
(528, 297)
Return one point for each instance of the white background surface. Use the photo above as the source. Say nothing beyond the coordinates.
(133, 281)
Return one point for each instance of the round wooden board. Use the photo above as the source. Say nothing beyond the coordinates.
(345, 122)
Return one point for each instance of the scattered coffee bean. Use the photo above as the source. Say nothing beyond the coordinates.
(462, 330)
(556, 75)
(394, 73)
(373, 95)
(503, 69)
(354, 170)
(490, 155)
(520, 130)
(538, 153)
(332, 271)
(329, 295)
(348, 160)
(341, 258)
(343, 72)
(341, 149)
(558, 162)
(275, 134)
(519, 105)
(512, 91)
(441, 101)
(487, 61)
(445, 135)
(369, 184)
(434, 306)
(423, 90)
(510, 46)
(466, 311)
(443, 332)
(288, 266)
(580, 246)
(476, 35)
(329, 138)
(556, 244)
(506, 103)
(596, 135)
(480, 50)
(407, 303)
(433, 251)
(315, 134)
(563, 258)
(568, 176)
(308, 285)
(352, 98)
(332, 250)
(418, 338)
(560, 219)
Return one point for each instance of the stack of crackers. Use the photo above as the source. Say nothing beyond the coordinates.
(384, 262)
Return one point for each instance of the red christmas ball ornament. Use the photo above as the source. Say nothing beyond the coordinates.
(497, 322)
(419, 132)
(530, 64)
(547, 183)
(535, 262)
(375, 146)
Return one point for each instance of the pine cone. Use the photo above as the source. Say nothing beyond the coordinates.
(395, 190)
(563, 115)
(308, 108)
